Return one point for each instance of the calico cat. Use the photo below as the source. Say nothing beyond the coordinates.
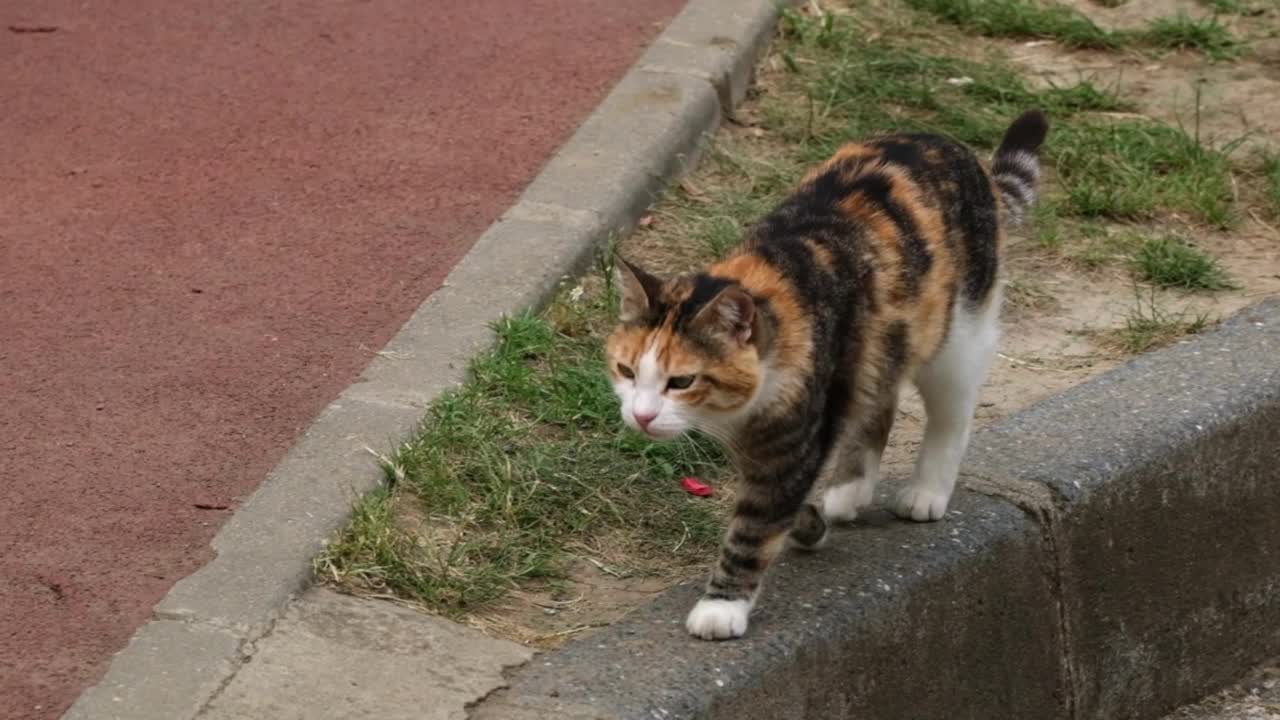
(879, 269)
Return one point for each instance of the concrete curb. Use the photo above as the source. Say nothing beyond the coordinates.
(1116, 553)
(648, 130)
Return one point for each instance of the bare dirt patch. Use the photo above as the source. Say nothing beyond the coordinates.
(546, 615)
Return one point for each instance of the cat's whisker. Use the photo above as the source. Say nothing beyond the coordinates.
(722, 436)
(725, 441)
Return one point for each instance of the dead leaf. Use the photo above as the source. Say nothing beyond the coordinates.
(693, 192)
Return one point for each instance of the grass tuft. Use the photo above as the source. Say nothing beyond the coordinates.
(1149, 326)
(1182, 32)
(1226, 7)
(1097, 247)
(1019, 18)
(1134, 170)
(1050, 20)
(1171, 262)
(1271, 174)
(1046, 226)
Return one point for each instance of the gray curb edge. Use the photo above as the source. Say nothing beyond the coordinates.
(1114, 553)
(648, 130)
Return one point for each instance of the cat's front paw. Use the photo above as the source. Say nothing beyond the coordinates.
(921, 504)
(713, 619)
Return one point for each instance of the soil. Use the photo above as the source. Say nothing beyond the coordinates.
(590, 597)
(1238, 97)
(1049, 344)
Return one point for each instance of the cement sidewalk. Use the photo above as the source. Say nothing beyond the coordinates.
(337, 657)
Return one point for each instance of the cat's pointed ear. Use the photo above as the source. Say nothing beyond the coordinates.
(732, 313)
(639, 291)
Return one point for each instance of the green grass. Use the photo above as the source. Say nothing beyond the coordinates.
(1019, 18)
(1170, 262)
(1165, 261)
(740, 191)
(1118, 170)
(1050, 20)
(1046, 226)
(1096, 247)
(524, 461)
(858, 88)
(1148, 325)
(1135, 170)
(1271, 175)
(1181, 32)
(1226, 7)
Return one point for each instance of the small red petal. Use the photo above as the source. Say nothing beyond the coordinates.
(694, 486)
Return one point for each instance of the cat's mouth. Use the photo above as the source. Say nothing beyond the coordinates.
(654, 433)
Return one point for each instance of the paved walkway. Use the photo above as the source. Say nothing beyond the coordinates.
(333, 657)
(210, 217)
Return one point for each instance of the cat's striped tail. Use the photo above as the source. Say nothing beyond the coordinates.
(1016, 165)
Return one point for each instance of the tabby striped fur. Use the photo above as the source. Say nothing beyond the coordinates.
(880, 269)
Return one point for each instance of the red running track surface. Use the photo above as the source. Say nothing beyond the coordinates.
(211, 215)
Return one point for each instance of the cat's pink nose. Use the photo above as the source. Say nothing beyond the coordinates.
(643, 419)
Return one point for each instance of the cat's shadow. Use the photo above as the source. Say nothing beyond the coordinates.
(875, 517)
(871, 516)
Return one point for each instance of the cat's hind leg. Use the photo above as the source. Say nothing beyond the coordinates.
(809, 531)
(949, 384)
(854, 467)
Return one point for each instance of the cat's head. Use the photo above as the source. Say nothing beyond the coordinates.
(685, 353)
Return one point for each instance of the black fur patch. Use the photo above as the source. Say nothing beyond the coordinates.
(705, 289)
(1025, 134)
(916, 258)
(810, 527)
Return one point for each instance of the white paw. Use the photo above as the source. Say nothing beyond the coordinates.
(921, 504)
(842, 502)
(718, 619)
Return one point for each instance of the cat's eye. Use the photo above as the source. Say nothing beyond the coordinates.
(625, 372)
(680, 382)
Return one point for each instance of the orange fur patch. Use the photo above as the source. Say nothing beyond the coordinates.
(848, 156)
(821, 255)
(793, 344)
